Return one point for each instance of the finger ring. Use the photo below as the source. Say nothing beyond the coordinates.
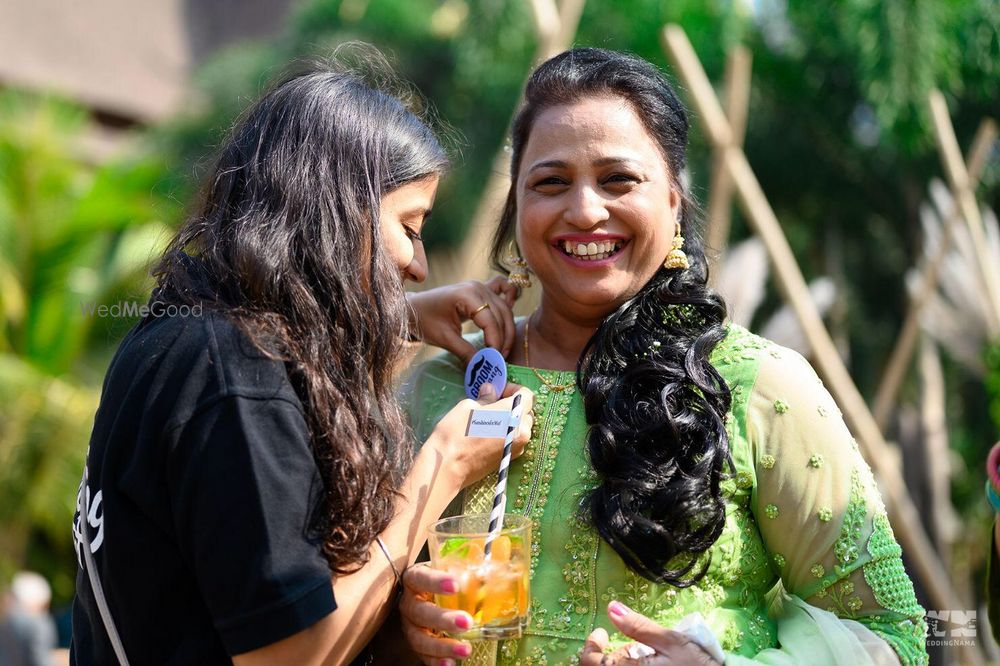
(484, 306)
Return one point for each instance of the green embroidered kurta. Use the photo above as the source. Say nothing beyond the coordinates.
(801, 508)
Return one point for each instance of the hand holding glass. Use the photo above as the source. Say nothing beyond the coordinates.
(493, 591)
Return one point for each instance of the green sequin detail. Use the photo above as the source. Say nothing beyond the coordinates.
(744, 480)
(847, 547)
(767, 461)
(771, 511)
(843, 602)
(825, 514)
(739, 345)
(780, 406)
(885, 573)
(818, 570)
(679, 315)
(731, 638)
(907, 638)
(582, 548)
(816, 461)
(779, 560)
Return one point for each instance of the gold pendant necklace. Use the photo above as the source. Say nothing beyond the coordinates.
(558, 388)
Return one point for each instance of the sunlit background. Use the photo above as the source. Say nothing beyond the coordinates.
(110, 109)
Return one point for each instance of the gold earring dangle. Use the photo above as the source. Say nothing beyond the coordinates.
(519, 276)
(676, 258)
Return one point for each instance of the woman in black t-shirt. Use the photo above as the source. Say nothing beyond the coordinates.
(250, 492)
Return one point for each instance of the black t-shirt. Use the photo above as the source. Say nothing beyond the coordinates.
(197, 493)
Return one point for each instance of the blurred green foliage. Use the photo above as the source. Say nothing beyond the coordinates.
(992, 362)
(72, 235)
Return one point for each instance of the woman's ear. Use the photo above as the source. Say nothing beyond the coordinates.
(676, 202)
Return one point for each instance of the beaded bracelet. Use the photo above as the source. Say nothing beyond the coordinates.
(993, 466)
(992, 496)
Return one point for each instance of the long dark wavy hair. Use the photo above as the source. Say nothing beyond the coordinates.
(287, 242)
(654, 403)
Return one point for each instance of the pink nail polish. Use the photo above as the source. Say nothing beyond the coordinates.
(462, 650)
(618, 609)
(446, 662)
(448, 587)
(463, 621)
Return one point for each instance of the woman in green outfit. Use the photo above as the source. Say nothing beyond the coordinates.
(678, 464)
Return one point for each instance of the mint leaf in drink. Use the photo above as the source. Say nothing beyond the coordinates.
(454, 545)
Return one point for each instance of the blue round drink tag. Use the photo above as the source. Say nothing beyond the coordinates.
(487, 366)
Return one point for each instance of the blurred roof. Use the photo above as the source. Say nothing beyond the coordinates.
(127, 58)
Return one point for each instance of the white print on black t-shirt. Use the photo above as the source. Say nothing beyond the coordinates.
(91, 508)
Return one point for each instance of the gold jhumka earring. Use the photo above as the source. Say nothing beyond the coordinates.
(676, 258)
(519, 276)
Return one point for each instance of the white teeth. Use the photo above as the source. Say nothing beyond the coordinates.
(593, 250)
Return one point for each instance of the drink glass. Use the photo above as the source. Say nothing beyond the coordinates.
(493, 591)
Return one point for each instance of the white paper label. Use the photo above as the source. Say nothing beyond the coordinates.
(488, 423)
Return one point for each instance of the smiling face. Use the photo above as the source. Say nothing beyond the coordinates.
(402, 216)
(597, 208)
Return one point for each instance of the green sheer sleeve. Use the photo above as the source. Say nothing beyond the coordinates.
(820, 514)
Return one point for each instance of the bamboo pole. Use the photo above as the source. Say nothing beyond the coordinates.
(979, 153)
(934, 424)
(903, 515)
(902, 353)
(720, 197)
(555, 26)
(958, 178)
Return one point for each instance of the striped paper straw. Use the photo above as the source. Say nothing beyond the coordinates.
(500, 492)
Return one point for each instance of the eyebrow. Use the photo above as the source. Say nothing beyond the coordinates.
(425, 213)
(604, 161)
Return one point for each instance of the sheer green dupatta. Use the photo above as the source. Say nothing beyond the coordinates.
(811, 635)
